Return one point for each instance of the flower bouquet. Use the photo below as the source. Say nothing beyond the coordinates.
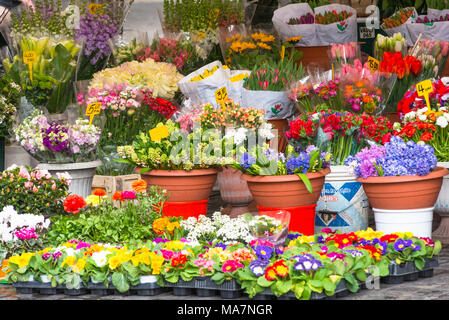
(52, 142)
(269, 226)
(395, 43)
(398, 23)
(433, 54)
(271, 81)
(344, 53)
(336, 23)
(9, 98)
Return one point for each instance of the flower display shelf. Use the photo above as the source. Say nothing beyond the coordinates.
(407, 271)
(229, 289)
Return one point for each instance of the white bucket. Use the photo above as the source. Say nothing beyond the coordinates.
(418, 221)
(343, 204)
(442, 204)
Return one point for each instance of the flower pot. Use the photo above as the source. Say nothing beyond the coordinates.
(281, 125)
(82, 174)
(442, 209)
(286, 191)
(404, 192)
(182, 186)
(234, 191)
(416, 221)
(185, 209)
(343, 204)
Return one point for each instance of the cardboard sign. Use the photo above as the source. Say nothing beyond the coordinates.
(92, 110)
(221, 95)
(373, 64)
(95, 8)
(30, 57)
(424, 88)
(159, 133)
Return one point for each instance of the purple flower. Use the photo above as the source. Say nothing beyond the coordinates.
(264, 252)
(299, 164)
(46, 256)
(82, 245)
(55, 138)
(246, 161)
(306, 262)
(402, 244)
(258, 267)
(220, 245)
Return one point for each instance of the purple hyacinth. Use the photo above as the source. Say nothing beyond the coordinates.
(299, 164)
(246, 161)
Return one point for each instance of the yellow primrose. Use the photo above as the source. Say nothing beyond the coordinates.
(174, 245)
(22, 260)
(70, 261)
(405, 235)
(69, 245)
(79, 266)
(369, 234)
(114, 262)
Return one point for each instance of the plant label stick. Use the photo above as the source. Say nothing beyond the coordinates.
(30, 57)
(221, 95)
(159, 133)
(373, 64)
(424, 88)
(92, 110)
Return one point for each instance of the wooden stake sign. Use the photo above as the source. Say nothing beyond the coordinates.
(424, 88)
(30, 57)
(92, 110)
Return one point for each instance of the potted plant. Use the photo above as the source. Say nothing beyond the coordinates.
(62, 148)
(184, 164)
(292, 181)
(402, 182)
(430, 126)
(342, 134)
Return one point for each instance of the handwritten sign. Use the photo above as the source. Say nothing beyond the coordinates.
(30, 57)
(95, 8)
(159, 133)
(424, 88)
(92, 110)
(221, 95)
(373, 64)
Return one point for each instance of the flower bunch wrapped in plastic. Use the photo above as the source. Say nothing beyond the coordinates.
(395, 158)
(433, 55)
(332, 16)
(52, 142)
(343, 53)
(427, 126)
(362, 96)
(308, 18)
(395, 43)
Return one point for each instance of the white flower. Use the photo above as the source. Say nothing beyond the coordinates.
(422, 117)
(442, 122)
(100, 258)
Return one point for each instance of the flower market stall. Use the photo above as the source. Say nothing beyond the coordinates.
(328, 175)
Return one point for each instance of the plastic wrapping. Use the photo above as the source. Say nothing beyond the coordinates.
(341, 54)
(398, 23)
(433, 54)
(337, 32)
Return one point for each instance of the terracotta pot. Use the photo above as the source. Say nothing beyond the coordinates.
(183, 186)
(234, 191)
(281, 125)
(285, 191)
(404, 192)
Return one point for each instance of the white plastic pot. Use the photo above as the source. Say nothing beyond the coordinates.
(418, 222)
(148, 279)
(343, 204)
(442, 209)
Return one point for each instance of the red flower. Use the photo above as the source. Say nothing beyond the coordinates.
(74, 203)
(162, 106)
(426, 136)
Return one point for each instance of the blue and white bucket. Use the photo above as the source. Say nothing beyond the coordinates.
(343, 204)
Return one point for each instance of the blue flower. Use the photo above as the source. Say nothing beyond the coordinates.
(246, 161)
(264, 252)
(258, 267)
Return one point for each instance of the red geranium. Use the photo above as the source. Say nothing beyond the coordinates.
(74, 203)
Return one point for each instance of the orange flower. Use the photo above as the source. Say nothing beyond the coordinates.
(159, 225)
(117, 196)
(139, 186)
(99, 192)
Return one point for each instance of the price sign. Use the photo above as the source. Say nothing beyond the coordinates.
(159, 133)
(30, 57)
(424, 88)
(92, 110)
(95, 8)
(373, 64)
(221, 95)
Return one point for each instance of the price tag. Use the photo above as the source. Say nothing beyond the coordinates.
(424, 88)
(221, 95)
(95, 8)
(92, 110)
(373, 64)
(159, 133)
(30, 57)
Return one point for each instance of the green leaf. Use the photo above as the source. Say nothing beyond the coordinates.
(264, 282)
(284, 286)
(316, 283)
(328, 285)
(306, 181)
(420, 263)
(119, 281)
(361, 275)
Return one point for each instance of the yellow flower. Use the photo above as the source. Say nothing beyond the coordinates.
(22, 260)
(114, 262)
(236, 37)
(156, 263)
(70, 261)
(260, 36)
(79, 266)
(369, 234)
(44, 251)
(94, 200)
(174, 245)
(264, 46)
(293, 39)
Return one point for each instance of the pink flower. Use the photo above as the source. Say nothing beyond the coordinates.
(231, 265)
(24, 173)
(129, 195)
(28, 185)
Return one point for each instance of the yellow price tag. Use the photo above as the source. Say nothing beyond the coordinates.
(221, 95)
(159, 133)
(423, 89)
(92, 110)
(95, 8)
(333, 73)
(30, 57)
(373, 64)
